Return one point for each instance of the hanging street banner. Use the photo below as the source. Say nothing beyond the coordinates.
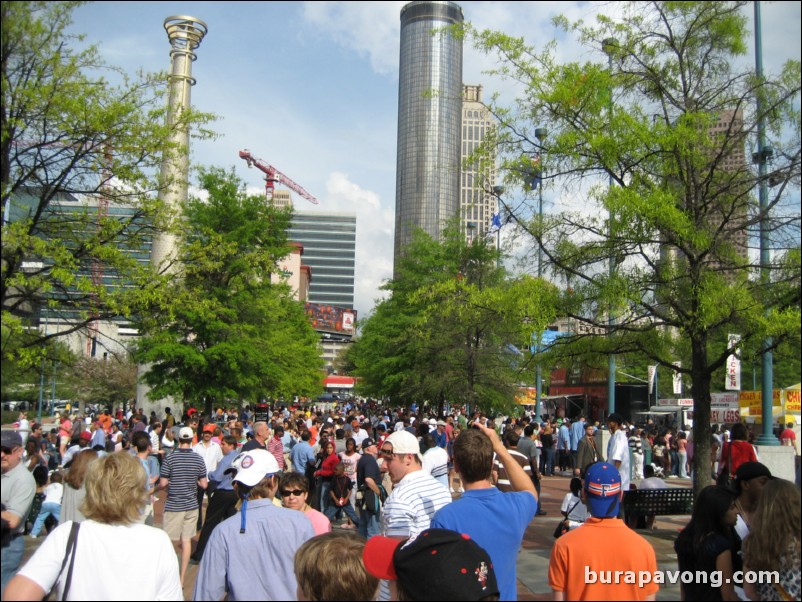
(733, 379)
(677, 379)
(652, 372)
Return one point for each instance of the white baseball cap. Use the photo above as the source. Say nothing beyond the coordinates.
(405, 442)
(252, 466)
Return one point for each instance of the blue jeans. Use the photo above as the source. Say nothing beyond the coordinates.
(674, 462)
(369, 524)
(325, 502)
(550, 454)
(334, 513)
(48, 508)
(10, 560)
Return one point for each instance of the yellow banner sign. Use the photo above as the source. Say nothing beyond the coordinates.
(752, 401)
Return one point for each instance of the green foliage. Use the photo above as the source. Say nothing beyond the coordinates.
(449, 330)
(228, 330)
(109, 382)
(79, 162)
(650, 143)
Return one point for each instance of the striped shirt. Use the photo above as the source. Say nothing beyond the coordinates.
(503, 483)
(410, 507)
(435, 462)
(183, 468)
(276, 447)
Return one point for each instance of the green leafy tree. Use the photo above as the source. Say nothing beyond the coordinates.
(664, 125)
(232, 332)
(452, 327)
(109, 382)
(70, 137)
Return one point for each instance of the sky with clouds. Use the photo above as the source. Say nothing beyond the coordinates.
(312, 88)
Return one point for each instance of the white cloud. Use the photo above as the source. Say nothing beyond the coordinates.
(374, 233)
(369, 28)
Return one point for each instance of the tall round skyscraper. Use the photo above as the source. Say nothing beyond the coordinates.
(427, 193)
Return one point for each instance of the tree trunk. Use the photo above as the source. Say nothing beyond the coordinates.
(702, 433)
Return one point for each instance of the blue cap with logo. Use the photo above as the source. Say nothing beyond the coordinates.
(603, 490)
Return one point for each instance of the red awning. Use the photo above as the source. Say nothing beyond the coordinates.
(342, 382)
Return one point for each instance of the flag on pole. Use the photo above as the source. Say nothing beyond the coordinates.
(536, 173)
(652, 372)
(678, 379)
(495, 221)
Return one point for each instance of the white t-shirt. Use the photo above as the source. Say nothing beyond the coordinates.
(618, 449)
(53, 493)
(24, 430)
(435, 462)
(359, 437)
(211, 454)
(579, 512)
(653, 483)
(102, 554)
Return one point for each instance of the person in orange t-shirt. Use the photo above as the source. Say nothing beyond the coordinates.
(105, 422)
(584, 561)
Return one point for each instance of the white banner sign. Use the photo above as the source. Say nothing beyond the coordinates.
(652, 372)
(722, 416)
(677, 379)
(733, 379)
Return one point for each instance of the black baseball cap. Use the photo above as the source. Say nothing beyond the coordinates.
(438, 564)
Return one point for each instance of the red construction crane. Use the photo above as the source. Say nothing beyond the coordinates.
(273, 175)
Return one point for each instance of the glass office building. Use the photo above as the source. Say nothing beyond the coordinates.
(429, 121)
(329, 241)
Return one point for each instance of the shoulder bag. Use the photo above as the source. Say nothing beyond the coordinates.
(562, 526)
(724, 478)
(69, 554)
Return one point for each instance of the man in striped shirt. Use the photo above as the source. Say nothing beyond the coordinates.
(276, 447)
(416, 495)
(182, 473)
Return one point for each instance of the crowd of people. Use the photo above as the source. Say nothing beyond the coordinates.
(352, 503)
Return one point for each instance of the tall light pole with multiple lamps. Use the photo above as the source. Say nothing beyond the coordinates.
(540, 134)
(763, 155)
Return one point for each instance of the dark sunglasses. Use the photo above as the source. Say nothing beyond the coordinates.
(7, 450)
(387, 452)
(295, 492)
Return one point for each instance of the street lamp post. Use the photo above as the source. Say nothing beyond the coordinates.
(540, 134)
(609, 46)
(764, 153)
(41, 375)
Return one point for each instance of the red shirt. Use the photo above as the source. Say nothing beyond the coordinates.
(735, 453)
(327, 468)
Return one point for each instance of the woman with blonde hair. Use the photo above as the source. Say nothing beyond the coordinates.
(773, 543)
(85, 562)
(330, 567)
(74, 490)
